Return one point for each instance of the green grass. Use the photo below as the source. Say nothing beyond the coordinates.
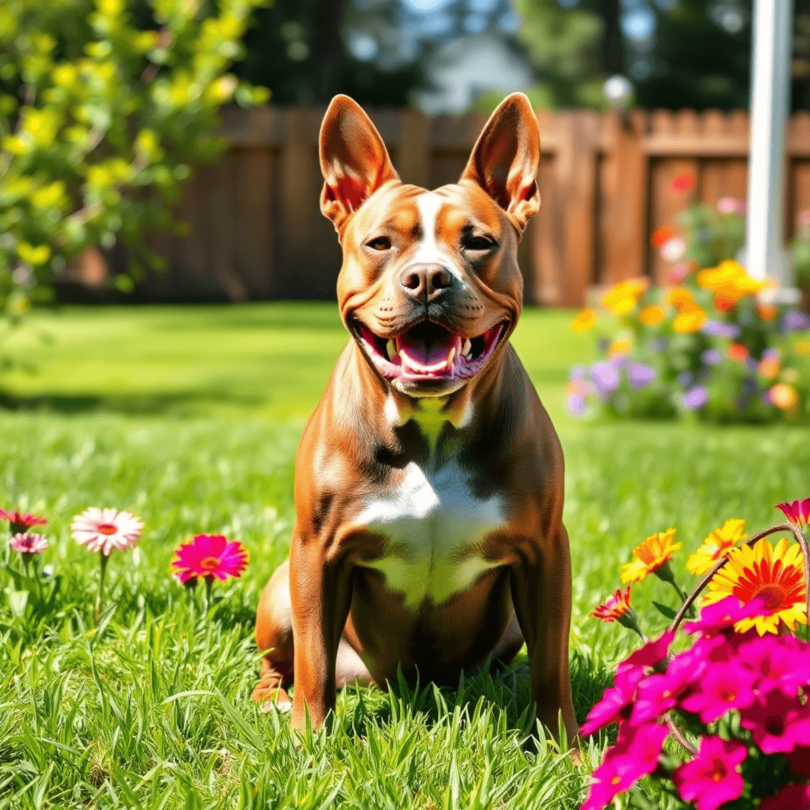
(190, 417)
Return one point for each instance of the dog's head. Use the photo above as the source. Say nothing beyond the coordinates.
(430, 287)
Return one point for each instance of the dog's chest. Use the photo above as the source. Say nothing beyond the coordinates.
(434, 529)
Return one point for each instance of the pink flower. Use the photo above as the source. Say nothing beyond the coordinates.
(27, 543)
(799, 761)
(778, 663)
(711, 778)
(790, 797)
(210, 555)
(730, 205)
(105, 530)
(797, 512)
(723, 615)
(616, 703)
(778, 724)
(21, 521)
(634, 755)
(722, 687)
(657, 694)
(648, 656)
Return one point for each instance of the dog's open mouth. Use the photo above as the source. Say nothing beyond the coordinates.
(429, 352)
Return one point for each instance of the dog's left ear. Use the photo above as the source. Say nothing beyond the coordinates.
(505, 159)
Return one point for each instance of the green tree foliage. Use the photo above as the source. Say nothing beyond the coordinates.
(104, 107)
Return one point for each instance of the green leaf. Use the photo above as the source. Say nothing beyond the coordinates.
(665, 611)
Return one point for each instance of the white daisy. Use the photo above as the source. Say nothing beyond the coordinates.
(105, 530)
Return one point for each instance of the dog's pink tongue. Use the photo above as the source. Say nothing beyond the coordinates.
(416, 354)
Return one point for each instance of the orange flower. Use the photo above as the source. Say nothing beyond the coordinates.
(737, 352)
(614, 607)
(619, 347)
(784, 396)
(662, 235)
(769, 367)
(681, 298)
(652, 315)
(623, 297)
(775, 575)
(729, 281)
(724, 304)
(689, 321)
(767, 312)
(650, 556)
(716, 546)
(585, 321)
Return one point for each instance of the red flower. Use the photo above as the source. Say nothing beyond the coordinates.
(797, 512)
(662, 235)
(711, 779)
(614, 607)
(737, 352)
(791, 797)
(683, 182)
(210, 555)
(20, 521)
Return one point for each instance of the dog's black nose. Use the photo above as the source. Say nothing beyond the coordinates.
(428, 281)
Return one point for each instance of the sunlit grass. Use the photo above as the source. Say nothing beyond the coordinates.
(190, 418)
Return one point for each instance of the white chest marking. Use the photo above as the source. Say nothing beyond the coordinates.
(434, 529)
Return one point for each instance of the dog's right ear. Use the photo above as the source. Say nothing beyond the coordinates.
(354, 160)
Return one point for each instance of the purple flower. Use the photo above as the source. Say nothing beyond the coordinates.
(721, 329)
(695, 398)
(605, 377)
(576, 391)
(795, 321)
(640, 375)
(711, 357)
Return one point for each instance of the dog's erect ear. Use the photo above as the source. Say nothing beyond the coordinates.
(354, 160)
(505, 159)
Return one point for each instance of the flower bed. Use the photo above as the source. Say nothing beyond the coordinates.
(706, 345)
(736, 700)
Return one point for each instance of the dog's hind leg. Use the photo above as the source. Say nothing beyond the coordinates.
(274, 634)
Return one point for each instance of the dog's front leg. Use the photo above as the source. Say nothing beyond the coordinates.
(541, 594)
(320, 592)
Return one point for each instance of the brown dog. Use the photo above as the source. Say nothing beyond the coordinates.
(429, 480)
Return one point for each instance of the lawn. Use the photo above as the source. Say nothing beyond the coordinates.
(190, 418)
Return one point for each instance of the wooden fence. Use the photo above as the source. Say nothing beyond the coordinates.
(256, 231)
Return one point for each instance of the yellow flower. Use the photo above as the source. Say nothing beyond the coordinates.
(775, 575)
(585, 321)
(623, 297)
(33, 255)
(650, 556)
(619, 347)
(716, 546)
(689, 321)
(729, 281)
(784, 396)
(652, 315)
(681, 298)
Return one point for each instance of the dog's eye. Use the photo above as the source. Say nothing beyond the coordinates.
(479, 243)
(380, 243)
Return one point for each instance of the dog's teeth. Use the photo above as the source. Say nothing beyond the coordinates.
(466, 347)
(451, 356)
(391, 348)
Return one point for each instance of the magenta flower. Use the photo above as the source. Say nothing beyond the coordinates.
(210, 555)
(648, 656)
(799, 761)
(657, 694)
(791, 797)
(21, 521)
(723, 615)
(616, 703)
(778, 663)
(723, 687)
(634, 755)
(711, 778)
(27, 543)
(797, 512)
(778, 724)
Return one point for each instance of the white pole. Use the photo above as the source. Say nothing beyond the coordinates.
(770, 89)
